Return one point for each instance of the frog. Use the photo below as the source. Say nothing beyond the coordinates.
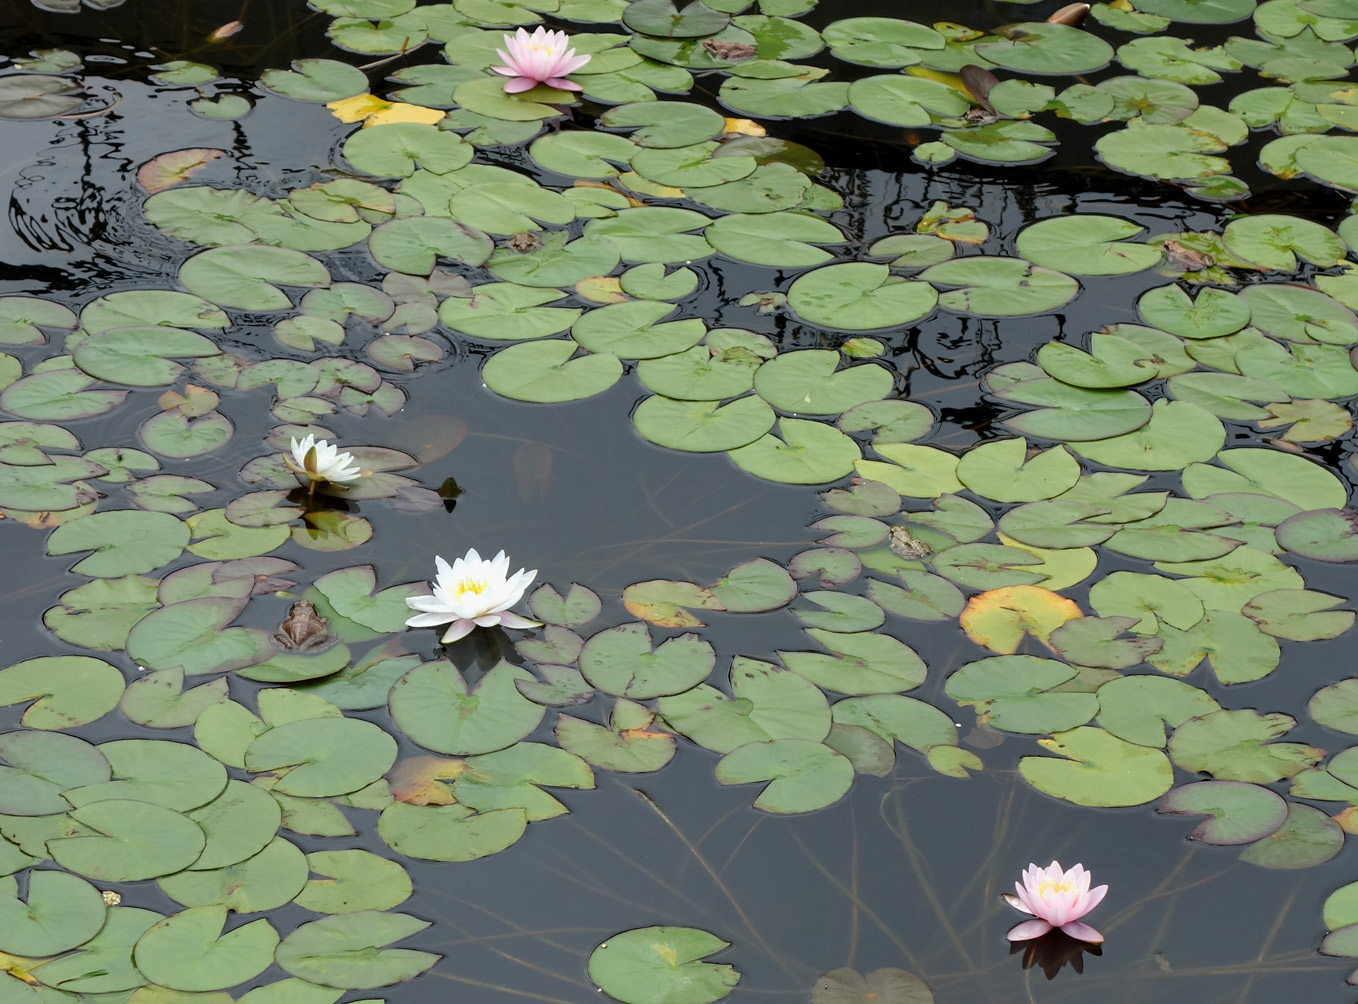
(902, 542)
(304, 630)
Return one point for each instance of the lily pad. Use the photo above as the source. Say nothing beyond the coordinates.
(435, 707)
(60, 912)
(1099, 769)
(999, 287)
(188, 951)
(802, 775)
(1239, 813)
(662, 965)
(66, 691)
(349, 950)
(1087, 244)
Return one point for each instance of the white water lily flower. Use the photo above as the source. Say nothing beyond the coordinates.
(472, 592)
(316, 460)
(1055, 898)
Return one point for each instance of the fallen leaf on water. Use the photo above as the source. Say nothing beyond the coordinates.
(160, 173)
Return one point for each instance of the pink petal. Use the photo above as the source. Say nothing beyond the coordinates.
(1016, 903)
(562, 84)
(1095, 897)
(508, 71)
(1080, 932)
(572, 64)
(458, 629)
(1028, 930)
(520, 84)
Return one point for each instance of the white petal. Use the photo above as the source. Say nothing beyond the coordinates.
(426, 620)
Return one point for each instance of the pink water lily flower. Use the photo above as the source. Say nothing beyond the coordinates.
(539, 58)
(472, 592)
(1055, 899)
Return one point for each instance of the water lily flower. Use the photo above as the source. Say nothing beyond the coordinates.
(318, 461)
(1055, 898)
(539, 58)
(472, 592)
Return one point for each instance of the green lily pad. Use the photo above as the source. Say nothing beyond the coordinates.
(1299, 614)
(999, 287)
(193, 635)
(59, 395)
(449, 832)
(559, 262)
(859, 296)
(632, 330)
(433, 705)
(394, 150)
(1322, 534)
(104, 963)
(44, 765)
(1011, 693)
(1001, 470)
(861, 663)
(1137, 708)
(1200, 11)
(1086, 244)
(188, 951)
(122, 542)
(1162, 151)
(808, 453)
(1074, 414)
(1307, 837)
(620, 661)
(809, 383)
(1238, 813)
(353, 880)
(1276, 242)
(264, 881)
(322, 756)
(662, 965)
(774, 239)
(698, 374)
(66, 691)
(247, 276)
(1273, 473)
(1099, 769)
(316, 80)
(34, 96)
(350, 950)
(61, 912)
(802, 775)
(1177, 435)
(125, 841)
(653, 233)
(880, 41)
(140, 356)
(909, 102)
(1235, 746)
(548, 371)
(415, 244)
(625, 745)
(1047, 48)
(702, 426)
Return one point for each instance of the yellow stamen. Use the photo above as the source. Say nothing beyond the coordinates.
(477, 586)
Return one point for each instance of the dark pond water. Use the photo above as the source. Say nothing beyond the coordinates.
(906, 870)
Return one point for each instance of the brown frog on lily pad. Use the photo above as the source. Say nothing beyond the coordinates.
(304, 630)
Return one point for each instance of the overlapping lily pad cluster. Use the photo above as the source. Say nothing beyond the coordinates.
(573, 268)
